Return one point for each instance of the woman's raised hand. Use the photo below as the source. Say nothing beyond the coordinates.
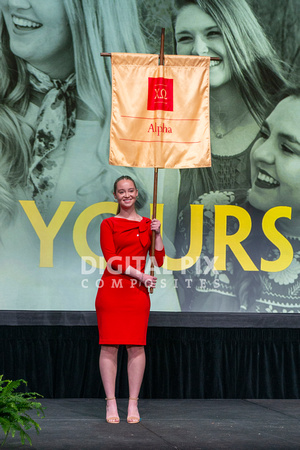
(155, 226)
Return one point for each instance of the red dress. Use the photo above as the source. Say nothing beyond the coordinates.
(122, 302)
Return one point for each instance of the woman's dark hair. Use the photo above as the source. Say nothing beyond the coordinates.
(290, 91)
(123, 177)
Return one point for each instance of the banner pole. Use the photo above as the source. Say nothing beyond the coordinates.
(155, 182)
(212, 58)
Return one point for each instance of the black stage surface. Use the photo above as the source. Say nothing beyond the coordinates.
(169, 424)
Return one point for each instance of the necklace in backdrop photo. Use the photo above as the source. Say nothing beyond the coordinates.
(235, 123)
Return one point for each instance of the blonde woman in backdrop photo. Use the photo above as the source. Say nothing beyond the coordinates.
(55, 93)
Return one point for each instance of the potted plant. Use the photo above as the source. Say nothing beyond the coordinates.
(15, 407)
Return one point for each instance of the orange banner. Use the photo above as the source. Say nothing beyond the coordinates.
(160, 114)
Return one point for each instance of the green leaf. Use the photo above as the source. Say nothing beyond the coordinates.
(14, 407)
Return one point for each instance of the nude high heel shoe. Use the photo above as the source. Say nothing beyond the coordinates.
(112, 419)
(133, 419)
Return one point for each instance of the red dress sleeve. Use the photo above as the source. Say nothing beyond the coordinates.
(159, 257)
(116, 262)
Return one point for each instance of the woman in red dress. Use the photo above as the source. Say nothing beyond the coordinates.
(122, 301)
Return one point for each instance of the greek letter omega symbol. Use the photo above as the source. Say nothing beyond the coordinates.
(160, 94)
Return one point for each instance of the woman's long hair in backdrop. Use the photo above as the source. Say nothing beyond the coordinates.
(256, 68)
(96, 26)
(103, 26)
(15, 148)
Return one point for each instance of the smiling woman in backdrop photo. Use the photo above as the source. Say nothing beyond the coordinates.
(275, 168)
(243, 84)
(55, 92)
(55, 95)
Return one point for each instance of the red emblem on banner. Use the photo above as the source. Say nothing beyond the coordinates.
(160, 94)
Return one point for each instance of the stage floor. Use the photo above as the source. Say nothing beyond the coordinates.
(79, 424)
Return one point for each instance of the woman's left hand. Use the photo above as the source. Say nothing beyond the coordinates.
(155, 226)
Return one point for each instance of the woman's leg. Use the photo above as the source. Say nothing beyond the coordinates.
(136, 368)
(108, 363)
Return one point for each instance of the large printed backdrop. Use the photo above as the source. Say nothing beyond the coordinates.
(60, 272)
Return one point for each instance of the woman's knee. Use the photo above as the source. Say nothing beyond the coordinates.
(135, 350)
(111, 350)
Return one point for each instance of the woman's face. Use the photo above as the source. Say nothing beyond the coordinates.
(196, 33)
(275, 159)
(126, 194)
(39, 32)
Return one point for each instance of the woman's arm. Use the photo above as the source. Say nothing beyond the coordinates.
(159, 246)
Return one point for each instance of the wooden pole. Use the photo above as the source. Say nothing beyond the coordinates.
(213, 58)
(155, 181)
(162, 47)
